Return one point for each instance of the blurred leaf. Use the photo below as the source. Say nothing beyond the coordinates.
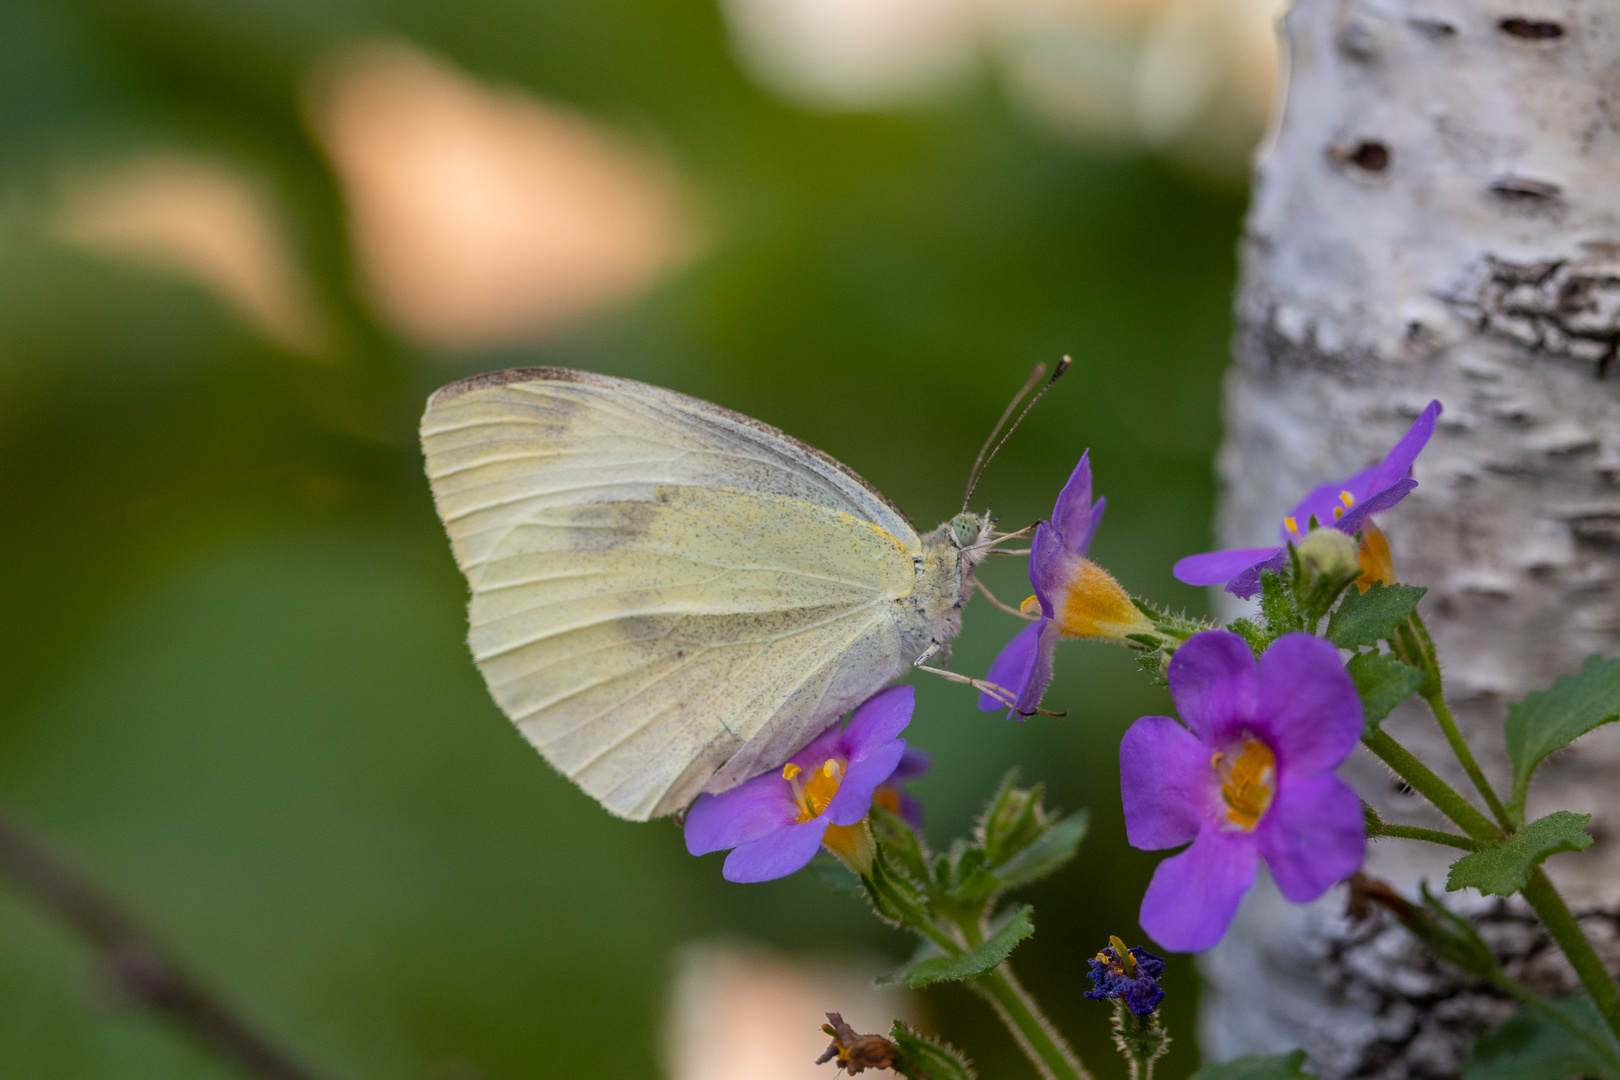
(1055, 847)
(1366, 618)
(1549, 720)
(1276, 1067)
(1503, 868)
(996, 948)
(1528, 1046)
(1383, 682)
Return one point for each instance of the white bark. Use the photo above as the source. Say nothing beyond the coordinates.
(1437, 216)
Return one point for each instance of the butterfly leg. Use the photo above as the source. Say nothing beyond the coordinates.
(1000, 693)
(1004, 607)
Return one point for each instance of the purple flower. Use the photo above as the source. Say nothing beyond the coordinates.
(1346, 505)
(1249, 777)
(1074, 596)
(1130, 974)
(775, 822)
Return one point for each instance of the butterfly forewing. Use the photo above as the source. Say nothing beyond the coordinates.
(667, 597)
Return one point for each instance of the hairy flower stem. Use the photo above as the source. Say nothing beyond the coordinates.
(1555, 915)
(1142, 1040)
(1445, 798)
(1030, 1028)
(1416, 640)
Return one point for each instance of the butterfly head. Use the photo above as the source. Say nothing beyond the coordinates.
(968, 529)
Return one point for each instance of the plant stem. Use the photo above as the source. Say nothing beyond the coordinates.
(1555, 915)
(1412, 832)
(1542, 1008)
(1423, 780)
(1031, 1030)
(1434, 693)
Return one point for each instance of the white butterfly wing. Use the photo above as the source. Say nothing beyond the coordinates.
(667, 596)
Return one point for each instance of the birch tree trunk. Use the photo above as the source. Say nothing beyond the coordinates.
(1437, 215)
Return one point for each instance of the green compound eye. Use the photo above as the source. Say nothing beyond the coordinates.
(964, 529)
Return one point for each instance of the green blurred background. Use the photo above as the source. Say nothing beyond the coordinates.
(237, 691)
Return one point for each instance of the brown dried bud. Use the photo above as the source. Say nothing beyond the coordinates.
(855, 1053)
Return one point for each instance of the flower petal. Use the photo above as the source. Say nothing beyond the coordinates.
(1375, 503)
(1011, 667)
(913, 763)
(1322, 501)
(1398, 462)
(777, 854)
(1306, 706)
(878, 719)
(1073, 515)
(1165, 780)
(861, 779)
(1193, 896)
(741, 815)
(815, 754)
(1313, 835)
(1040, 674)
(1219, 567)
(1051, 565)
(1212, 681)
(1247, 584)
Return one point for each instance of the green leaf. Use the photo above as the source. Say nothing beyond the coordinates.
(1503, 868)
(1366, 618)
(922, 1058)
(1051, 851)
(1383, 682)
(1530, 1046)
(995, 949)
(1276, 1067)
(1551, 719)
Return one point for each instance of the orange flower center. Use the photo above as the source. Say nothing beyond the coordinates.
(813, 794)
(1247, 782)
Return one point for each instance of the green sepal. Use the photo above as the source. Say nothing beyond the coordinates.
(1551, 719)
(1366, 618)
(897, 899)
(1530, 1046)
(972, 879)
(1275, 1067)
(900, 842)
(996, 948)
(1382, 682)
(923, 1058)
(1049, 853)
(1153, 664)
(1503, 868)
(1277, 606)
(1012, 819)
(1258, 640)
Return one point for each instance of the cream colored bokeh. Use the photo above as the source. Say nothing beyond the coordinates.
(483, 216)
(1195, 77)
(202, 220)
(742, 1012)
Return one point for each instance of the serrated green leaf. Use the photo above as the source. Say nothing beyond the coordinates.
(922, 1058)
(995, 949)
(1366, 618)
(1551, 719)
(1529, 1046)
(1383, 682)
(1503, 868)
(1276, 1067)
(1055, 847)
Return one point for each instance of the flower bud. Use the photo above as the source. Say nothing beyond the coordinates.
(1328, 553)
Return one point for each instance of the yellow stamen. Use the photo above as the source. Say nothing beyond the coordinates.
(1292, 525)
(1247, 784)
(1031, 606)
(1338, 512)
(819, 790)
(1348, 499)
(1126, 960)
(790, 770)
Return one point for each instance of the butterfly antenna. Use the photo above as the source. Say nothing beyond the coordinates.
(986, 452)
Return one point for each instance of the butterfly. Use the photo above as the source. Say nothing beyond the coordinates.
(669, 597)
